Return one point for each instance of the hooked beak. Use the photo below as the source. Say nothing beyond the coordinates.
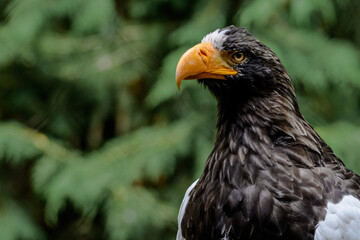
(202, 61)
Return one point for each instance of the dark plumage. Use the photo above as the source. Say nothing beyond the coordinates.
(270, 175)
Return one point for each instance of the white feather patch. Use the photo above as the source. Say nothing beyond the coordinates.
(217, 38)
(342, 221)
(182, 210)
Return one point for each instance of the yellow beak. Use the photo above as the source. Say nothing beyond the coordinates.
(202, 61)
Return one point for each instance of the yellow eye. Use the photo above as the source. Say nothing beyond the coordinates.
(238, 57)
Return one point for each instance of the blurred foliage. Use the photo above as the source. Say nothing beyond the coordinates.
(97, 143)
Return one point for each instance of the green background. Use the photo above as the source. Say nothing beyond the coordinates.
(96, 142)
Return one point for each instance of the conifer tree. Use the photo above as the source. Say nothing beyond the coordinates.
(96, 142)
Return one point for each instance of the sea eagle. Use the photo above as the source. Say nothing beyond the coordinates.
(269, 176)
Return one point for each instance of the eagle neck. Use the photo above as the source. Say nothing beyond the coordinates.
(264, 125)
(278, 109)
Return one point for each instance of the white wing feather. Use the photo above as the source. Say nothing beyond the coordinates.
(342, 221)
(182, 210)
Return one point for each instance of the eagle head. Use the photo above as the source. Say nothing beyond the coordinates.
(234, 65)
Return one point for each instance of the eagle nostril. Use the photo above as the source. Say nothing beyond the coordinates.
(203, 52)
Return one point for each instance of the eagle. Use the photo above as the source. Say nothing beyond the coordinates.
(270, 175)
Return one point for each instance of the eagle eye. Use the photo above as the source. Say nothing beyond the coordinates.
(238, 57)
